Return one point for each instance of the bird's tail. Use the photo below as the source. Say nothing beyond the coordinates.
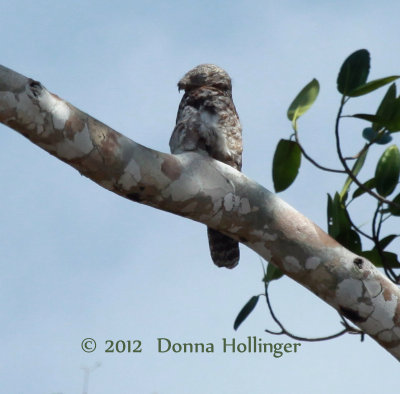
(224, 250)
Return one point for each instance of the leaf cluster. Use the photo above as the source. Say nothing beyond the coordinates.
(352, 82)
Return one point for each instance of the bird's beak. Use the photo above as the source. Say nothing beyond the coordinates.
(181, 86)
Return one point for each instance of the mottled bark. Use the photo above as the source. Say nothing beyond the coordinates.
(205, 190)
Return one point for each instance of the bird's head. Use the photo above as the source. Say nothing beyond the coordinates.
(206, 75)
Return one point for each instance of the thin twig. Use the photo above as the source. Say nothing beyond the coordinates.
(311, 160)
(284, 331)
(358, 229)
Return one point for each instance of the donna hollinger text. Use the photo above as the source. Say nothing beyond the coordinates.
(252, 344)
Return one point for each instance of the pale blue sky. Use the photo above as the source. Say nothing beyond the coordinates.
(77, 261)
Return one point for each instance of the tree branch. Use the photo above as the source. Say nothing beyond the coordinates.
(210, 192)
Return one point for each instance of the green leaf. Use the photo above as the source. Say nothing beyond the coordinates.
(394, 210)
(245, 312)
(388, 113)
(388, 118)
(391, 260)
(387, 171)
(386, 107)
(338, 221)
(373, 136)
(370, 184)
(384, 242)
(273, 273)
(369, 118)
(350, 240)
(339, 226)
(354, 72)
(286, 164)
(394, 123)
(355, 170)
(303, 101)
(331, 229)
(371, 86)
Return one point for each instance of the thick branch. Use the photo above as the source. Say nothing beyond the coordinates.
(212, 193)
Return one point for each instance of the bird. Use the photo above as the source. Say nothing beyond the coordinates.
(207, 122)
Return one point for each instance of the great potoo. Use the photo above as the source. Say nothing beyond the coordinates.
(207, 121)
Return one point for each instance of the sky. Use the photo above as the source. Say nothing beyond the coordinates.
(78, 262)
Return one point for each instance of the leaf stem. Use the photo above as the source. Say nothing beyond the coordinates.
(311, 160)
(284, 331)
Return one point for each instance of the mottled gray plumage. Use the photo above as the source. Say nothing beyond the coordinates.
(207, 121)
